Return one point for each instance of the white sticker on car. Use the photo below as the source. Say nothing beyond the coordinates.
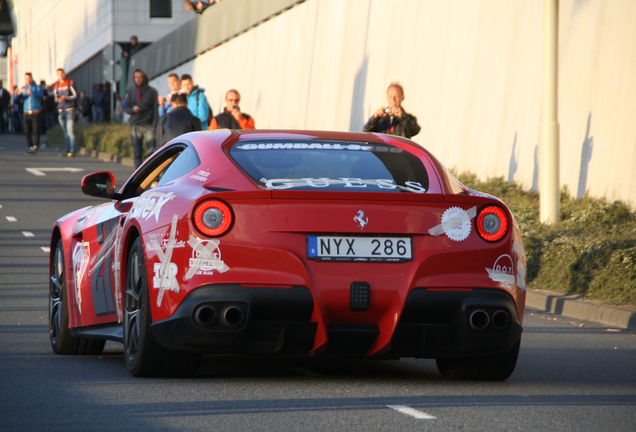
(201, 175)
(502, 271)
(206, 258)
(521, 267)
(81, 255)
(455, 223)
(347, 182)
(166, 274)
(150, 204)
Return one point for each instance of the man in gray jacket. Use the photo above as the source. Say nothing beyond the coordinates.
(142, 105)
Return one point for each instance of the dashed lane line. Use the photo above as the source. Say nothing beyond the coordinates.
(46, 249)
(404, 409)
(11, 219)
(28, 234)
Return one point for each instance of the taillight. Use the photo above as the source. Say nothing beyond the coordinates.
(492, 223)
(213, 218)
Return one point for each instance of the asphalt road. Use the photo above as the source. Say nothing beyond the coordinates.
(571, 375)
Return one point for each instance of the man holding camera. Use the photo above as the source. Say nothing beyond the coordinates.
(392, 119)
(232, 117)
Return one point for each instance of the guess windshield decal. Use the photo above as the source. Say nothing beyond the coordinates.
(150, 204)
(455, 224)
(206, 257)
(502, 271)
(347, 182)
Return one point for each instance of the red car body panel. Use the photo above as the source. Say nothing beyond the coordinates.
(267, 243)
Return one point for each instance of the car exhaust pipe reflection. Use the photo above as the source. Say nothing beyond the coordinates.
(205, 316)
(233, 316)
(479, 320)
(501, 320)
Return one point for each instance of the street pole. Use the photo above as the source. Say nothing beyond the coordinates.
(549, 151)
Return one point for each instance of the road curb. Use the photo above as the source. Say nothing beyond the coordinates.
(107, 156)
(574, 306)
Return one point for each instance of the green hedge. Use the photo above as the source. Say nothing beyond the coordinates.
(114, 139)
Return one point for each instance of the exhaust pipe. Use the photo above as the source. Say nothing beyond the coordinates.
(479, 320)
(501, 320)
(233, 316)
(205, 315)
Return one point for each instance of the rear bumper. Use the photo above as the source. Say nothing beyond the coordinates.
(231, 319)
(239, 320)
(438, 324)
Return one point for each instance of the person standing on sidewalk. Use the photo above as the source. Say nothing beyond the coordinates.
(5, 101)
(32, 109)
(66, 98)
(143, 106)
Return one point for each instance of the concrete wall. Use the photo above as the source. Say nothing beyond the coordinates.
(66, 33)
(471, 72)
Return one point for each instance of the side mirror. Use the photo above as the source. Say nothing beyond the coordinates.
(100, 185)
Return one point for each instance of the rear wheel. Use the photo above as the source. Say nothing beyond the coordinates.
(62, 341)
(145, 357)
(487, 368)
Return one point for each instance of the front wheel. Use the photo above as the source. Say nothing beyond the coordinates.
(145, 357)
(62, 341)
(495, 367)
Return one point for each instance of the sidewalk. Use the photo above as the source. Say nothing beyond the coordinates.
(573, 306)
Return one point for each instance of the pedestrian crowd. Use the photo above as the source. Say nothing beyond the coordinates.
(154, 119)
(34, 108)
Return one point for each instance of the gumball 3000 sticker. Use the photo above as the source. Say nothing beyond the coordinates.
(206, 258)
(455, 224)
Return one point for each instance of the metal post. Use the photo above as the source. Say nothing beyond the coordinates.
(549, 161)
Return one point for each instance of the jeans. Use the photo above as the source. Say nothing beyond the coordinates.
(98, 114)
(138, 134)
(4, 124)
(67, 121)
(32, 126)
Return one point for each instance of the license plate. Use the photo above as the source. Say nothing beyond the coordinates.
(365, 249)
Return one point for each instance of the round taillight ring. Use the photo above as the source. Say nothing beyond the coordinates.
(213, 218)
(492, 223)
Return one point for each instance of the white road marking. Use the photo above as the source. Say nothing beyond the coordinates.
(0, 205)
(11, 219)
(28, 234)
(46, 249)
(307, 372)
(40, 171)
(412, 412)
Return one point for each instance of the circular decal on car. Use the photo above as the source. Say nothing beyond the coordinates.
(458, 223)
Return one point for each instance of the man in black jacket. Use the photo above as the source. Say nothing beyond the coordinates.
(142, 105)
(178, 121)
(392, 119)
(5, 101)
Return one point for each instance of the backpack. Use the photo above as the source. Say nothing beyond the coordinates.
(210, 115)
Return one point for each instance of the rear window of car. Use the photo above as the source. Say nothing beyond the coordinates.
(331, 165)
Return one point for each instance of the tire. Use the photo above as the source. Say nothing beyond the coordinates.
(62, 341)
(145, 357)
(497, 367)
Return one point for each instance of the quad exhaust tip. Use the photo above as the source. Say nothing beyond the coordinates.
(233, 316)
(501, 320)
(479, 319)
(205, 315)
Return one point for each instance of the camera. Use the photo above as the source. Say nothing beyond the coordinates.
(387, 111)
(236, 107)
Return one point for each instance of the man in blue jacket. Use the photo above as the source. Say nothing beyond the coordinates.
(32, 109)
(197, 102)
